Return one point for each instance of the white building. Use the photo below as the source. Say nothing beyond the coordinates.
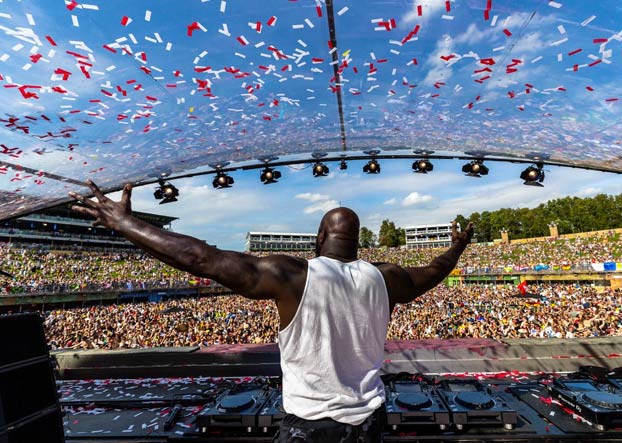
(429, 236)
(279, 241)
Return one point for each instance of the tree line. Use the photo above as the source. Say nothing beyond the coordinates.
(570, 214)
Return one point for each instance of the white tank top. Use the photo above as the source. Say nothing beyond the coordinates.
(332, 350)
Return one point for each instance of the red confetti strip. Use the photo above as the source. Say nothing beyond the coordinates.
(125, 20)
(318, 9)
(109, 48)
(600, 40)
(193, 27)
(589, 88)
(271, 21)
(51, 40)
(576, 51)
(448, 6)
(419, 10)
(507, 32)
(71, 6)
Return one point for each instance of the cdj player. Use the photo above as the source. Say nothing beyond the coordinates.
(236, 409)
(599, 404)
(413, 404)
(471, 403)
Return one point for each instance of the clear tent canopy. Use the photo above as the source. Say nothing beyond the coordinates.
(128, 91)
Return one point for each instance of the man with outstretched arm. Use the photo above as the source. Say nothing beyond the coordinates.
(333, 309)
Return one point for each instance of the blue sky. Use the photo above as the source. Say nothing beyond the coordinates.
(119, 91)
(299, 200)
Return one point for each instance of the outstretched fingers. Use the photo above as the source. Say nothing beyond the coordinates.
(96, 191)
(126, 198)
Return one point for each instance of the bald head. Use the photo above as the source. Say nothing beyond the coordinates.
(338, 234)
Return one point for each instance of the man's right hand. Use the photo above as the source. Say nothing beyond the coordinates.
(106, 212)
(463, 237)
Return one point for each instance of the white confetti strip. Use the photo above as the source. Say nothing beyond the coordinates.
(394, 51)
(17, 47)
(343, 10)
(588, 20)
(74, 21)
(131, 36)
(5, 15)
(223, 6)
(147, 15)
(560, 57)
(537, 59)
(152, 40)
(561, 29)
(298, 26)
(498, 48)
(555, 5)
(91, 7)
(309, 23)
(493, 22)
(302, 43)
(158, 38)
(225, 30)
(31, 21)
(447, 17)
(4, 57)
(559, 42)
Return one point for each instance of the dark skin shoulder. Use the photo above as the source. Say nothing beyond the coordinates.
(277, 277)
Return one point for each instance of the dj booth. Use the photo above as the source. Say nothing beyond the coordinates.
(445, 390)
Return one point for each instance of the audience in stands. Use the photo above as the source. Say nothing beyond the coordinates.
(497, 312)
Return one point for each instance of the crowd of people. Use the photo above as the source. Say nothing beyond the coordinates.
(32, 270)
(497, 312)
(36, 271)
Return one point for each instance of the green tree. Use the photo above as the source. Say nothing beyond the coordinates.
(367, 238)
(389, 235)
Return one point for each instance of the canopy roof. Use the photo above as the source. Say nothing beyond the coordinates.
(120, 91)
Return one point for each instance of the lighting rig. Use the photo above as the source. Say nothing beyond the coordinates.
(166, 192)
(533, 175)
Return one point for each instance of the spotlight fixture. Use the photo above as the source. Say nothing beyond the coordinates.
(476, 168)
(269, 175)
(372, 167)
(343, 165)
(222, 180)
(423, 166)
(533, 175)
(320, 170)
(166, 192)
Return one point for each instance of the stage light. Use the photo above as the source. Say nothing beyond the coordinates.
(269, 175)
(533, 175)
(166, 192)
(372, 167)
(476, 168)
(222, 180)
(320, 170)
(422, 166)
(343, 165)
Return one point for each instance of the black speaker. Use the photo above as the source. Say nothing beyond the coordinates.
(29, 409)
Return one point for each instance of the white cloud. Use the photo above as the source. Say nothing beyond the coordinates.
(312, 197)
(323, 206)
(473, 35)
(414, 198)
(439, 69)
(429, 8)
(390, 201)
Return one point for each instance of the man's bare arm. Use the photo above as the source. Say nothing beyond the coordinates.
(415, 281)
(245, 274)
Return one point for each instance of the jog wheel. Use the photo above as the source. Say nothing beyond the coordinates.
(413, 401)
(606, 400)
(236, 402)
(475, 400)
